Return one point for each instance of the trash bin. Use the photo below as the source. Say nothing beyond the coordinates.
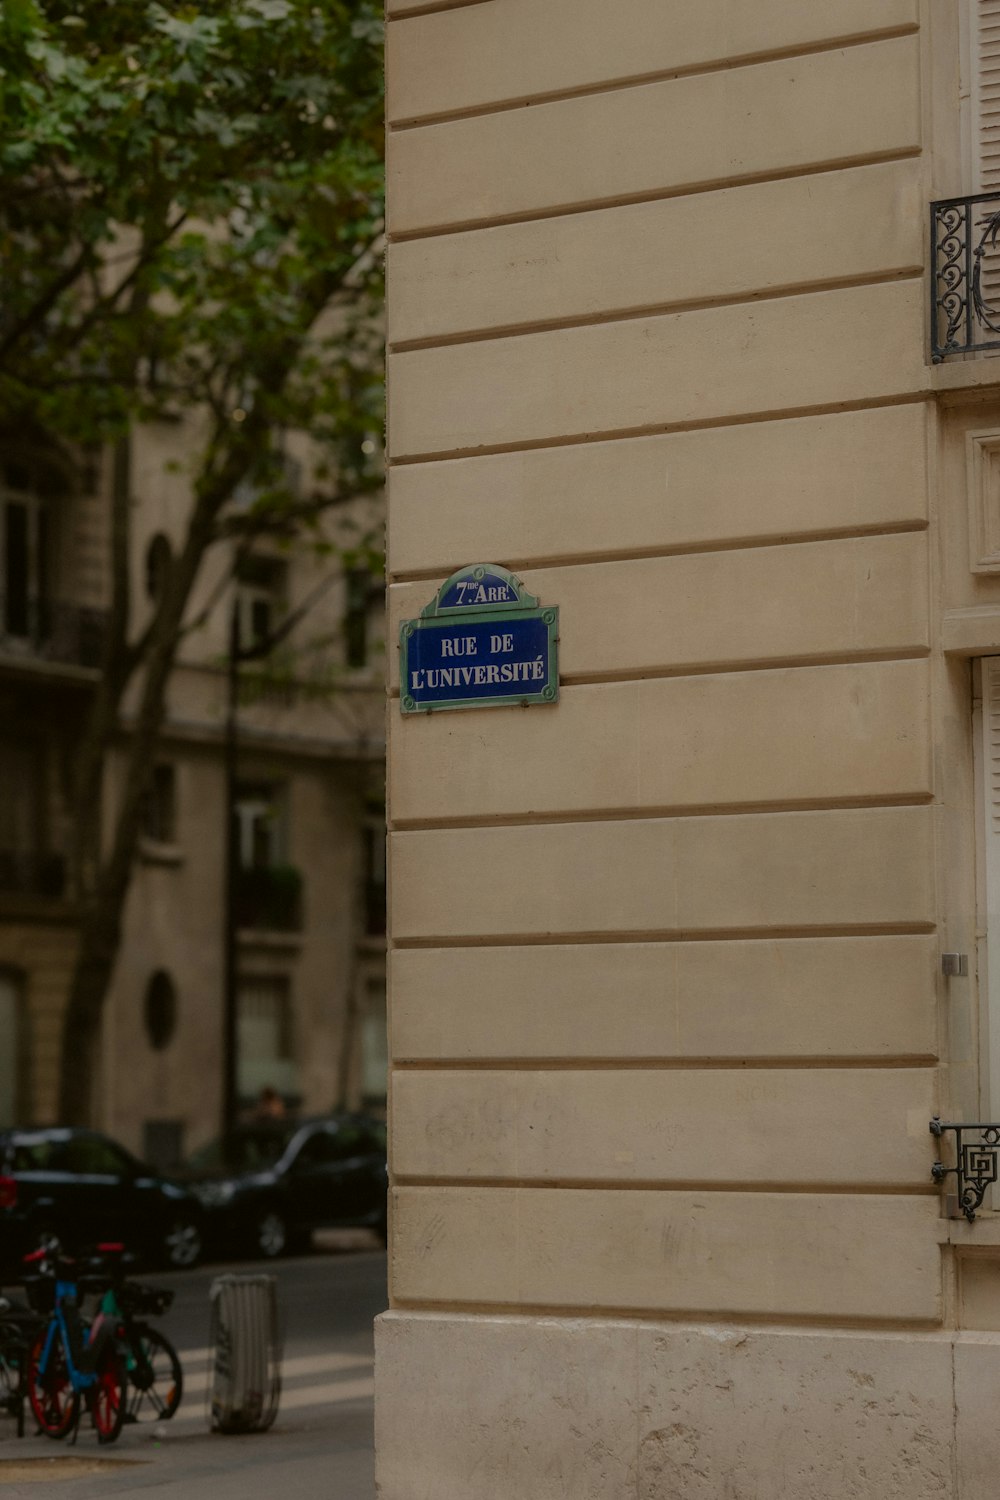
(246, 1353)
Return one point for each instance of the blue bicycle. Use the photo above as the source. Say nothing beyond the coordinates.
(69, 1360)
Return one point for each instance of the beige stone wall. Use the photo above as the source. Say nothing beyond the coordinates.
(667, 1016)
(39, 953)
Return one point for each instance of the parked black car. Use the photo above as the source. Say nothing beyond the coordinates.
(266, 1186)
(79, 1187)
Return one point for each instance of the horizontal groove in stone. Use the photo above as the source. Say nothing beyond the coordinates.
(714, 669)
(636, 80)
(623, 200)
(655, 310)
(680, 1185)
(678, 935)
(676, 1064)
(731, 419)
(688, 810)
(689, 549)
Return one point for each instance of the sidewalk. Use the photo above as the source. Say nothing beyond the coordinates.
(320, 1445)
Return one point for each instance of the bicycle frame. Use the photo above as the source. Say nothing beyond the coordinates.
(80, 1379)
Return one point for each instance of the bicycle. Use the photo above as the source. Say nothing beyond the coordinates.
(19, 1325)
(67, 1360)
(152, 1365)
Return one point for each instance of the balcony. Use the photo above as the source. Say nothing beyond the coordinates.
(50, 631)
(268, 898)
(965, 275)
(32, 874)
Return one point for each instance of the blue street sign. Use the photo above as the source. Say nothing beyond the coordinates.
(482, 642)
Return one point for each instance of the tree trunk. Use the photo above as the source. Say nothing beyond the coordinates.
(105, 878)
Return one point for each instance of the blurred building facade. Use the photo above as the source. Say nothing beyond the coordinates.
(684, 966)
(308, 806)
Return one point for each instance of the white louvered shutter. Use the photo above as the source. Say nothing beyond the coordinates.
(989, 917)
(986, 135)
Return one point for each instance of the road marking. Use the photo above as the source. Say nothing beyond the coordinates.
(303, 1364)
(330, 1394)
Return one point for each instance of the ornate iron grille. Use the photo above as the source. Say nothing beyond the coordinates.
(965, 275)
(46, 630)
(977, 1157)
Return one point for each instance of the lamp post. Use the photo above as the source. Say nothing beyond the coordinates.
(230, 1098)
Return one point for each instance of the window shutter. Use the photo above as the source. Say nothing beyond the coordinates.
(986, 133)
(989, 961)
(986, 95)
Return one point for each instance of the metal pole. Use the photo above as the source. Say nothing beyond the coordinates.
(230, 1100)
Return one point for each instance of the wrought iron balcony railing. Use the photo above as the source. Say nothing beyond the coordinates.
(32, 874)
(965, 275)
(45, 630)
(269, 898)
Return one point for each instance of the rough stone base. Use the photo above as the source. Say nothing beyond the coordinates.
(504, 1408)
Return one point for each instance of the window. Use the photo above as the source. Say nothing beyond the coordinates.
(374, 1046)
(163, 1143)
(159, 556)
(21, 817)
(319, 1149)
(260, 824)
(26, 865)
(260, 600)
(12, 1048)
(359, 587)
(265, 1041)
(24, 551)
(91, 1155)
(374, 865)
(159, 807)
(984, 91)
(160, 1010)
(35, 1155)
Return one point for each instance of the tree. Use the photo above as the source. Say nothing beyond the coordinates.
(190, 210)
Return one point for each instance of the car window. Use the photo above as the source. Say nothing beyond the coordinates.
(319, 1148)
(91, 1155)
(248, 1149)
(350, 1138)
(32, 1156)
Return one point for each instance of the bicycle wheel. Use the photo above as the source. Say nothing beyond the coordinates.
(53, 1400)
(107, 1397)
(156, 1381)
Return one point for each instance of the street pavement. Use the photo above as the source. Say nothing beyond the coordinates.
(322, 1444)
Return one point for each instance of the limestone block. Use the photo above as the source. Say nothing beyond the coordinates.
(713, 609)
(715, 1126)
(493, 1408)
(860, 731)
(844, 471)
(857, 344)
(783, 1255)
(829, 870)
(766, 119)
(841, 226)
(748, 1412)
(787, 997)
(490, 1407)
(977, 1377)
(578, 44)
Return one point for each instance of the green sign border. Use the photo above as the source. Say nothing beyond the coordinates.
(435, 616)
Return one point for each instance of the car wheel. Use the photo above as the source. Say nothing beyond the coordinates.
(182, 1244)
(270, 1235)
